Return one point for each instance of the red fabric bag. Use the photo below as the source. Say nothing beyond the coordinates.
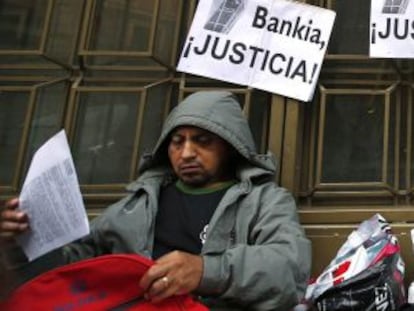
(109, 282)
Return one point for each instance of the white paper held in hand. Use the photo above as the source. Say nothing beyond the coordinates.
(52, 200)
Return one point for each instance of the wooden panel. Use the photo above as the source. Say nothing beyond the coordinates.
(350, 215)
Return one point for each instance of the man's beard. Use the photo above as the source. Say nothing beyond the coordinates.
(196, 180)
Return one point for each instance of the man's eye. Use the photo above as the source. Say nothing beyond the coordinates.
(204, 139)
(176, 140)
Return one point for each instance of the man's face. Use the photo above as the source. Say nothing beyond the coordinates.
(198, 157)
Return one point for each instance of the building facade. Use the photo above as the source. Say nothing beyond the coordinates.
(104, 70)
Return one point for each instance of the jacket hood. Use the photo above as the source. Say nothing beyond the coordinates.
(218, 112)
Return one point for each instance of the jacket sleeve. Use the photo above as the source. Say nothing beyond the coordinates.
(109, 232)
(271, 270)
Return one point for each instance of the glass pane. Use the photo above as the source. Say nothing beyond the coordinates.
(47, 118)
(353, 139)
(64, 27)
(12, 112)
(166, 28)
(24, 61)
(115, 60)
(258, 119)
(127, 21)
(154, 114)
(21, 24)
(104, 137)
(350, 37)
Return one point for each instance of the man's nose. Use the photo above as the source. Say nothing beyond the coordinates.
(188, 150)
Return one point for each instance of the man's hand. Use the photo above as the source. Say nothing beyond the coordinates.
(12, 221)
(176, 273)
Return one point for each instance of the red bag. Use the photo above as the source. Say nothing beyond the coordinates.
(109, 282)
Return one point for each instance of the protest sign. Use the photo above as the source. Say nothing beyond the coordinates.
(272, 45)
(392, 29)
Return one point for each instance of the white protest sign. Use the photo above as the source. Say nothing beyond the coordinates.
(392, 29)
(272, 45)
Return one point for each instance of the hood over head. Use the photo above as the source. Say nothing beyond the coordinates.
(218, 112)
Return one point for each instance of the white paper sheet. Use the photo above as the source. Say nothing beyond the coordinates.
(52, 199)
(391, 29)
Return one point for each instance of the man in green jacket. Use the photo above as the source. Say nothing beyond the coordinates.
(206, 208)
